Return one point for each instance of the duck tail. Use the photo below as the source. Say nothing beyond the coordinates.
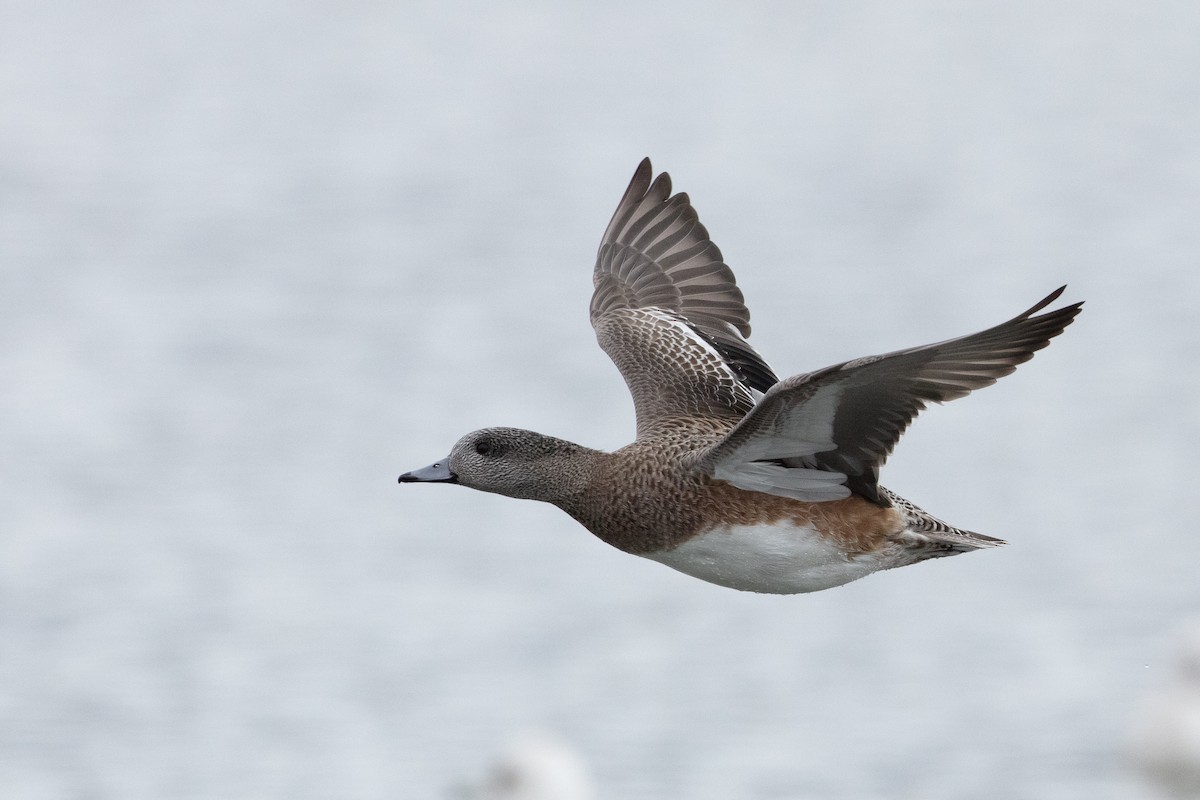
(942, 535)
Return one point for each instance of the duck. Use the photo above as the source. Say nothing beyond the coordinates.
(735, 476)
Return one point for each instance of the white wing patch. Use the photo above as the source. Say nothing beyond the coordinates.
(753, 467)
(798, 483)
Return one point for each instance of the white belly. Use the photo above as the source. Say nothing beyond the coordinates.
(779, 559)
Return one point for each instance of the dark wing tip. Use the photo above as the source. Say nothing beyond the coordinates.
(1052, 323)
(639, 183)
(655, 240)
(1047, 300)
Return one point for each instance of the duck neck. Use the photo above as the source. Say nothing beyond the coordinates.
(567, 475)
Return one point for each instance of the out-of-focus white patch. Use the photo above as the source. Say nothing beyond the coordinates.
(1167, 741)
(534, 765)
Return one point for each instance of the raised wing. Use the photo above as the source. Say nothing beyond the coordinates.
(668, 312)
(824, 435)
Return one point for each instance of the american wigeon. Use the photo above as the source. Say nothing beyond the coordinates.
(736, 477)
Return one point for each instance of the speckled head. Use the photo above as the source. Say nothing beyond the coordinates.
(512, 462)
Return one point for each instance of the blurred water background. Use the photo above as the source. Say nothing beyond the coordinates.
(257, 258)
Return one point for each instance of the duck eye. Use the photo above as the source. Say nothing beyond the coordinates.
(484, 447)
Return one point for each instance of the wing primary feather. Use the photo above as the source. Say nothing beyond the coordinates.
(657, 257)
(868, 403)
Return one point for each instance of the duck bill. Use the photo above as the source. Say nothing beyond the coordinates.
(438, 472)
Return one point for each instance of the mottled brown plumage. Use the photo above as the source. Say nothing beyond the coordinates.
(736, 477)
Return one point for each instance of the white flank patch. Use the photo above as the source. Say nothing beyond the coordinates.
(777, 559)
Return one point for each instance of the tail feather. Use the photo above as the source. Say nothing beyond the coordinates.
(943, 536)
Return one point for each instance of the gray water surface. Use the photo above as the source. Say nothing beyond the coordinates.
(258, 258)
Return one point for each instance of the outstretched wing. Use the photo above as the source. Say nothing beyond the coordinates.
(668, 312)
(824, 435)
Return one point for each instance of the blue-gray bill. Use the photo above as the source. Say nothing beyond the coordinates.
(438, 472)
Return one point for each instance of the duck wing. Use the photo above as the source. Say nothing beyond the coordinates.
(825, 434)
(668, 311)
